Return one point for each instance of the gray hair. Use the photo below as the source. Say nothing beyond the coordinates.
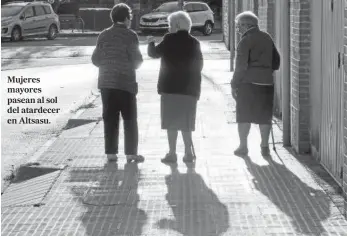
(180, 20)
(247, 17)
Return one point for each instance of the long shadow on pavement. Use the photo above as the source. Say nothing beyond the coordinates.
(324, 179)
(196, 208)
(112, 202)
(305, 206)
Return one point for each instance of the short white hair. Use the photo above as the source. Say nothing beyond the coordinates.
(180, 20)
(247, 17)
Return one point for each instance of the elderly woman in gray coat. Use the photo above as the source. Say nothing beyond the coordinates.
(117, 56)
(253, 83)
(179, 82)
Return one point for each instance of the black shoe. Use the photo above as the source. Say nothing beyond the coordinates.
(135, 158)
(188, 158)
(112, 157)
(265, 151)
(169, 158)
(241, 151)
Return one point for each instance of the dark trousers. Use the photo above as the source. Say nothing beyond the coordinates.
(116, 102)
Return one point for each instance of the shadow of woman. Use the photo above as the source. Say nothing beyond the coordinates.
(196, 208)
(307, 207)
(111, 201)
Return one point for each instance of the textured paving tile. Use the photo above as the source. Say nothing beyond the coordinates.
(61, 151)
(29, 192)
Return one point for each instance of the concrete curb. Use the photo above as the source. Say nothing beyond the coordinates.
(78, 34)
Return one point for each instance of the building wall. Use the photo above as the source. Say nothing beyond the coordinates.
(300, 50)
(225, 23)
(345, 112)
(316, 78)
(266, 15)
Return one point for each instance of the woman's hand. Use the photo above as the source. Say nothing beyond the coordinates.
(234, 93)
(150, 39)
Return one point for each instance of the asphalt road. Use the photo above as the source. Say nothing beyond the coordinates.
(85, 41)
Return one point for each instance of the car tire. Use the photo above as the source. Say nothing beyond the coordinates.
(208, 28)
(16, 34)
(52, 32)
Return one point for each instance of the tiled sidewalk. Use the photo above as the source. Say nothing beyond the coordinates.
(220, 194)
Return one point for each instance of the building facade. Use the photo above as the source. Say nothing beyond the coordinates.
(311, 85)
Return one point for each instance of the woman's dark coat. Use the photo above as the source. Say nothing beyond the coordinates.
(181, 64)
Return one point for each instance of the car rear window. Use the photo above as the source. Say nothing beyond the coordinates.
(189, 7)
(47, 9)
(198, 7)
(39, 11)
(29, 12)
(204, 7)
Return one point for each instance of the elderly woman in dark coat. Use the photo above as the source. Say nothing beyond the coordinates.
(179, 82)
(253, 82)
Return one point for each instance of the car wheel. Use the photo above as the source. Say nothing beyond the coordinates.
(52, 32)
(208, 28)
(16, 34)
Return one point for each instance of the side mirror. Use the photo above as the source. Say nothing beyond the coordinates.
(22, 17)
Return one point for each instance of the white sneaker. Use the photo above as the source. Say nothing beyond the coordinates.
(112, 157)
(136, 158)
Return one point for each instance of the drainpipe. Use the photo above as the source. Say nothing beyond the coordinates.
(232, 33)
(286, 86)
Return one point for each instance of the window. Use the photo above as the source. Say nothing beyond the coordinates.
(189, 7)
(29, 12)
(197, 7)
(204, 7)
(39, 11)
(10, 10)
(47, 9)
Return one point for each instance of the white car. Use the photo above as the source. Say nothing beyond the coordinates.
(200, 13)
(22, 19)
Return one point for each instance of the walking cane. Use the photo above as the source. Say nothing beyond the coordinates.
(273, 139)
(193, 150)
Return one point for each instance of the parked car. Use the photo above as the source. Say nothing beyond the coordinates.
(200, 13)
(23, 19)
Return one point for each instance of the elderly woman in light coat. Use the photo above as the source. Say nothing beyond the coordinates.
(253, 82)
(179, 82)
